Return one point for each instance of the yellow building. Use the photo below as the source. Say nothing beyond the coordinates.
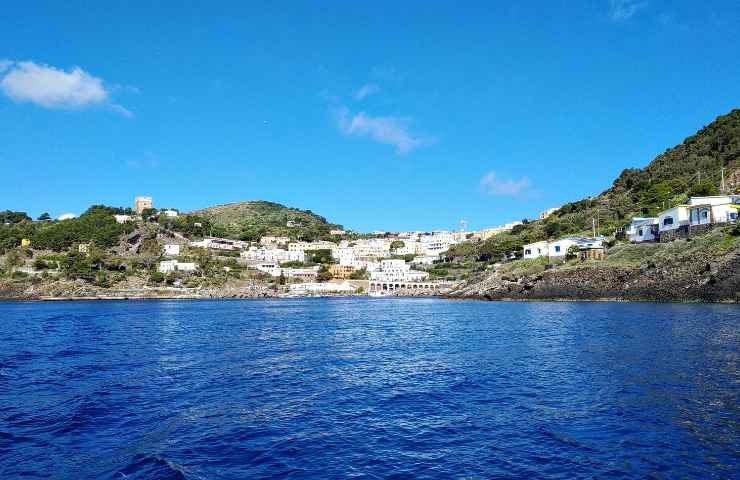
(341, 271)
(142, 203)
(25, 242)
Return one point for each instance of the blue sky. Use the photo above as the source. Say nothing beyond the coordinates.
(381, 115)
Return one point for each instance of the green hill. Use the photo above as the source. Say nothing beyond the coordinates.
(252, 219)
(694, 167)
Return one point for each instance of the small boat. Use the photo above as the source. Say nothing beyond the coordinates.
(379, 294)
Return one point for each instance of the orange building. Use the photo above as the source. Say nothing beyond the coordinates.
(341, 271)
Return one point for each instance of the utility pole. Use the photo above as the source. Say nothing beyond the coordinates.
(722, 174)
(593, 226)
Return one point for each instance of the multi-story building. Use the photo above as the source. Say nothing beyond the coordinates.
(341, 271)
(142, 203)
(262, 254)
(396, 270)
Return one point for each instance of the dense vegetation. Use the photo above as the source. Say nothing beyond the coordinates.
(694, 167)
(95, 225)
(254, 219)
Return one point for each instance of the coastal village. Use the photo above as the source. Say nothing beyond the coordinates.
(378, 263)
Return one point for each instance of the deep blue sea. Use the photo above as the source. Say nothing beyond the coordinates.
(368, 388)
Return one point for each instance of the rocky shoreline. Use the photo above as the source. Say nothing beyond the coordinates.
(704, 279)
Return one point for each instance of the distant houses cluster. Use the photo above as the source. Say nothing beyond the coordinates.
(698, 215)
(681, 221)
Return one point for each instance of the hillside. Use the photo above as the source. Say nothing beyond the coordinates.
(253, 219)
(692, 168)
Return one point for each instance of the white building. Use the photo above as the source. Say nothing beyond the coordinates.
(328, 287)
(372, 247)
(425, 260)
(337, 232)
(168, 266)
(172, 249)
(536, 250)
(715, 209)
(673, 218)
(272, 240)
(559, 248)
(641, 229)
(397, 270)
(123, 218)
(170, 213)
(275, 270)
(220, 244)
(262, 254)
(409, 248)
(304, 246)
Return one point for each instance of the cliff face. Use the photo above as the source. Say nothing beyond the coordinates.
(701, 276)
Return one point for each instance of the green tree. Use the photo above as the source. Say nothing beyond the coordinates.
(150, 252)
(75, 265)
(321, 255)
(156, 277)
(703, 189)
(11, 217)
(13, 259)
(360, 274)
(324, 275)
(396, 244)
(44, 217)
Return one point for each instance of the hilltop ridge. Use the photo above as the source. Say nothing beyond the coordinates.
(252, 219)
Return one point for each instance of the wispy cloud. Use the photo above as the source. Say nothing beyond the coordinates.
(55, 88)
(365, 91)
(623, 10)
(507, 187)
(389, 130)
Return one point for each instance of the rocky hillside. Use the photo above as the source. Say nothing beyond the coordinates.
(705, 269)
(252, 219)
(694, 167)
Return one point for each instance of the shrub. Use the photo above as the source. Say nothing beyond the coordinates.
(156, 277)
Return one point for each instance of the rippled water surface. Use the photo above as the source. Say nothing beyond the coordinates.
(368, 388)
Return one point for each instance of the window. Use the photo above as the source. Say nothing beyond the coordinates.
(557, 248)
(733, 215)
(668, 221)
(639, 232)
(527, 252)
(704, 214)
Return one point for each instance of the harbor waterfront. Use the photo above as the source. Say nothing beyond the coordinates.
(368, 388)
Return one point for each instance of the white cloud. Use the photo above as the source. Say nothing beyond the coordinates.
(623, 10)
(388, 130)
(492, 185)
(67, 216)
(365, 91)
(54, 88)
